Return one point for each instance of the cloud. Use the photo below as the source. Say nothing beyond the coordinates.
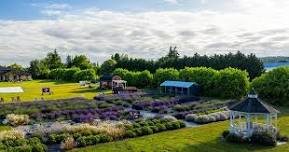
(171, 1)
(99, 33)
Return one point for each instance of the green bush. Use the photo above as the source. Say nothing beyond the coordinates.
(57, 138)
(147, 131)
(225, 133)
(235, 138)
(264, 139)
(155, 129)
(69, 73)
(92, 140)
(161, 127)
(83, 75)
(162, 75)
(25, 145)
(273, 85)
(130, 134)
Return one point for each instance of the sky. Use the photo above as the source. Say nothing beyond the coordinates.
(29, 29)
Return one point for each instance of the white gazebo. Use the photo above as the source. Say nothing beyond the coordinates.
(253, 115)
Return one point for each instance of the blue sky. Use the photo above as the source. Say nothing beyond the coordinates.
(31, 9)
(29, 29)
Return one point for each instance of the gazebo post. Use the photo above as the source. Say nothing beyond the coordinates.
(267, 121)
(231, 121)
(248, 124)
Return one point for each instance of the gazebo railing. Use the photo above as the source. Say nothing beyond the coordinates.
(242, 128)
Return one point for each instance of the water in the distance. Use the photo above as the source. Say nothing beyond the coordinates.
(270, 66)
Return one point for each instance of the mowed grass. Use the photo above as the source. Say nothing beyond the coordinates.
(60, 89)
(200, 139)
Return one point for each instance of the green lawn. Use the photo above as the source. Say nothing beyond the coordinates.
(61, 90)
(200, 139)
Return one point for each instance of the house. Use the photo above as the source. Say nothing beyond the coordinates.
(7, 74)
(180, 88)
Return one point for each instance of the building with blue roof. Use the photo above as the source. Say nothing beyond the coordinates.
(180, 88)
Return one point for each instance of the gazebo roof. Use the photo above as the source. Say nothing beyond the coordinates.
(253, 104)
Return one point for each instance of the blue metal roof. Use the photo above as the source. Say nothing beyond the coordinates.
(180, 84)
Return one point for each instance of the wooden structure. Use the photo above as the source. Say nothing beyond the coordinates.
(106, 81)
(7, 74)
(253, 115)
(179, 88)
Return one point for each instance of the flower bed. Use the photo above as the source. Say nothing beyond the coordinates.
(46, 106)
(80, 135)
(204, 119)
(158, 106)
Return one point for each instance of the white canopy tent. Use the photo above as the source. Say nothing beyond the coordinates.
(11, 90)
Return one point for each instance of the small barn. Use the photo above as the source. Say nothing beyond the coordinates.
(180, 88)
(106, 81)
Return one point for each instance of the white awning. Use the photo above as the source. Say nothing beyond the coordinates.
(11, 90)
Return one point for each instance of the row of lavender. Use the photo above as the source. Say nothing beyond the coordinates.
(88, 115)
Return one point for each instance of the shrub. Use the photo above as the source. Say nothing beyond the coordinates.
(182, 124)
(161, 127)
(138, 131)
(147, 131)
(67, 144)
(24, 145)
(176, 125)
(16, 120)
(92, 140)
(36, 145)
(155, 129)
(69, 73)
(190, 117)
(231, 137)
(130, 134)
(11, 135)
(162, 75)
(264, 139)
(57, 138)
(282, 138)
(273, 85)
(82, 75)
(225, 133)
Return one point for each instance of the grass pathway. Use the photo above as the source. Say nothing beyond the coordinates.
(61, 90)
(200, 139)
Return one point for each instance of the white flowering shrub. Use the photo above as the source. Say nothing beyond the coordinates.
(16, 120)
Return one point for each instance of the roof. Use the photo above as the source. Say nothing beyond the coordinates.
(180, 84)
(106, 77)
(253, 104)
(4, 69)
(11, 90)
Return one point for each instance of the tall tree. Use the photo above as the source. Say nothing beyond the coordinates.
(108, 66)
(16, 67)
(53, 60)
(82, 62)
(68, 61)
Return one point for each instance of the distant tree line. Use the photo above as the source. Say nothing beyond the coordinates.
(74, 69)
(250, 63)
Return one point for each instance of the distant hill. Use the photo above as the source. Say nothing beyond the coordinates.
(275, 59)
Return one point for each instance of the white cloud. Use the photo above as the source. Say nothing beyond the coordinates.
(171, 1)
(255, 28)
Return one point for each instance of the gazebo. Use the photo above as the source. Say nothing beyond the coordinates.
(252, 116)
